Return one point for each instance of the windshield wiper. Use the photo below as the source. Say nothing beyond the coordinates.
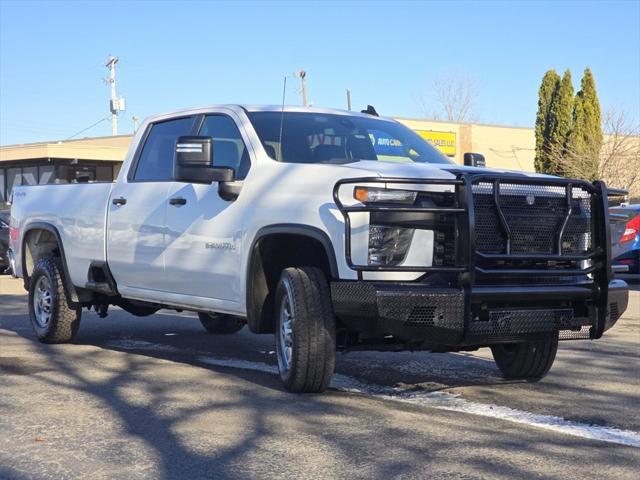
(338, 161)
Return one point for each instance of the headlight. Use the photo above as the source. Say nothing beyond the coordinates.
(388, 246)
(383, 195)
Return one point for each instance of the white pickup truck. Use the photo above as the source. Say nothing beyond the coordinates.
(332, 230)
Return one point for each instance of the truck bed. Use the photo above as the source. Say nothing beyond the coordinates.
(77, 211)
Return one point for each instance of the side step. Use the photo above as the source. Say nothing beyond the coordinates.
(100, 287)
(100, 279)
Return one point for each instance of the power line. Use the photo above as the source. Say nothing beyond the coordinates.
(90, 126)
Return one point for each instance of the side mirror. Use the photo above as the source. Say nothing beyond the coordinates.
(194, 162)
(474, 160)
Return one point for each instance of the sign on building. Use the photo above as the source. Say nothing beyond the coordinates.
(444, 141)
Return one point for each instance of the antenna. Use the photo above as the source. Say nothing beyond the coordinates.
(284, 93)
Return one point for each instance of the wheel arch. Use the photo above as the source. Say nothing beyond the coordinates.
(38, 240)
(304, 245)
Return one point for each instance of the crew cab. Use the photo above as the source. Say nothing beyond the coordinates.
(333, 230)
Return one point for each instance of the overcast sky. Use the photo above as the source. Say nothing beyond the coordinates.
(176, 55)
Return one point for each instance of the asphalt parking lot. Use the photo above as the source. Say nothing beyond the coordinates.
(157, 397)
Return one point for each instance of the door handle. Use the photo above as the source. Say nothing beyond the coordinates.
(178, 201)
(119, 201)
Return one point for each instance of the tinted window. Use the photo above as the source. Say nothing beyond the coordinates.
(45, 174)
(30, 176)
(320, 137)
(156, 159)
(14, 177)
(228, 148)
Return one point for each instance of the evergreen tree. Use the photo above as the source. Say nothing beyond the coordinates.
(560, 125)
(585, 140)
(546, 95)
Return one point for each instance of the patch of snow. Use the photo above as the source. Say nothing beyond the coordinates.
(455, 403)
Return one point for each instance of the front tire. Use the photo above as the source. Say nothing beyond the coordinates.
(526, 361)
(220, 324)
(52, 319)
(305, 330)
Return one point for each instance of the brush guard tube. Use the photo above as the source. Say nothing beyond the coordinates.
(471, 312)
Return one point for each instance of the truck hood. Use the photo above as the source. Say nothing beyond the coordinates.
(423, 170)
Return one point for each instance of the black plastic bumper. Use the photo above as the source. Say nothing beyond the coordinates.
(418, 313)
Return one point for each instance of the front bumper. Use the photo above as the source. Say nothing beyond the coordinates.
(417, 313)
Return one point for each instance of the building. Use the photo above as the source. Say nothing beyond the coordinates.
(87, 159)
(504, 147)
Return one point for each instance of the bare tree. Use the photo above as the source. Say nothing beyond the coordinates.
(617, 162)
(453, 98)
(620, 154)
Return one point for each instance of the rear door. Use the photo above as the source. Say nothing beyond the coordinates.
(204, 231)
(138, 207)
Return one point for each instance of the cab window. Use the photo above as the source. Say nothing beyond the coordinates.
(229, 150)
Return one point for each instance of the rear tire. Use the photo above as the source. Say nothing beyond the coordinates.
(305, 330)
(526, 361)
(52, 319)
(220, 324)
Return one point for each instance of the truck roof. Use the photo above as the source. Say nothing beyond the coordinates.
(263, 108)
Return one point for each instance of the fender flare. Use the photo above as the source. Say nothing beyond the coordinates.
(70, 289)
(291, 229)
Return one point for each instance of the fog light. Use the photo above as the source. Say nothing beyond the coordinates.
(388, 246)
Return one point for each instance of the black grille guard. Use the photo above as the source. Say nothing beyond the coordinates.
(465, 234)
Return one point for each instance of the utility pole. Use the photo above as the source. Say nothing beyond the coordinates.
(116, 104)
(135, 119)
(303, 86)
(348, 99)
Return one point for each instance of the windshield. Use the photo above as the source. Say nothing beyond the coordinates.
(328, 138)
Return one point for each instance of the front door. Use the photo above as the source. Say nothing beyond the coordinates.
(138, 209)
(204, 232)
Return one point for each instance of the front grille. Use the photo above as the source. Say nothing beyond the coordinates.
(522, 219)
(422, 315)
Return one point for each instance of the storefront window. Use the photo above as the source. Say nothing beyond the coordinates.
(104, 173)
(30, 176)
(14, 177)
(3, 197)
(45, 174)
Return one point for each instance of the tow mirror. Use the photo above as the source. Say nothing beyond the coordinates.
(474, 160)
(194, 162)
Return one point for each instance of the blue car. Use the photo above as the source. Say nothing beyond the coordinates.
(625, 236)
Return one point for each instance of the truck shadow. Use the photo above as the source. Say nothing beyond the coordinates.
(332, 435)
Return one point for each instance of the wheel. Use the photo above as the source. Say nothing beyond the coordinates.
(305, 330)
(221, 324)
(52, 320)
(526, 361)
